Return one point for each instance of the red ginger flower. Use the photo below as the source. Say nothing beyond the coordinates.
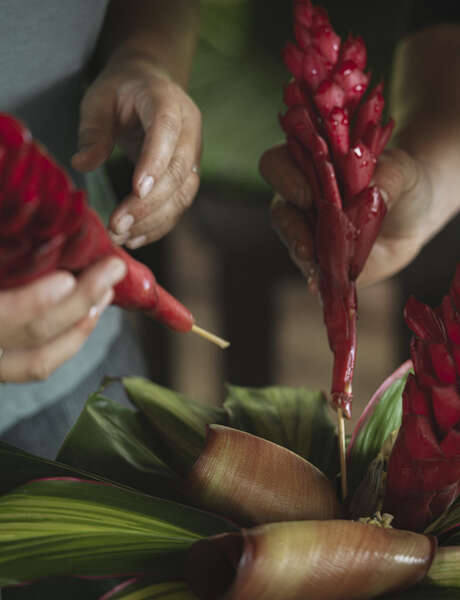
(45, 224)
(335, 138)
(424, 468)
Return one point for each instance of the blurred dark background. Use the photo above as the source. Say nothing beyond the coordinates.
(225, 263)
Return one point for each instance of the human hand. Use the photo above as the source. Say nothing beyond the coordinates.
(406, 186)
(45, 323)
(138, 106)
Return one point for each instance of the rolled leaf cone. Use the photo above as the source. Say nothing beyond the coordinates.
(342, 135)
(252, 480)
(321, 560)
(424, 467)
(46, 224)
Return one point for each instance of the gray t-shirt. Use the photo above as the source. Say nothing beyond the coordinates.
(44, 47)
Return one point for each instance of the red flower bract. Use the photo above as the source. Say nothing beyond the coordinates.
(46, 224)
(335, 138)
(424, 467)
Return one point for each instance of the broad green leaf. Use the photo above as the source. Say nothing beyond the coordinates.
(71, 527)
(178, 421)
(144, 589)
(296, 418)
(19, 467)
(385, 419)
(115, 442)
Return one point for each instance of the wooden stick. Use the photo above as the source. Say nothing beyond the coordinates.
(211, 337)
(343, 459)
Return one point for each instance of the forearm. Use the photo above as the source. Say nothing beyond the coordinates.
(161, 32)
(425, 103)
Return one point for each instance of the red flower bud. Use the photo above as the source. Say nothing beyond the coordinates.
(45, 224)
(424, 467)
(329, 84)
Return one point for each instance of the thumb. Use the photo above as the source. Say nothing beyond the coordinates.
(403, 184)
(397, 173)
(96, 133)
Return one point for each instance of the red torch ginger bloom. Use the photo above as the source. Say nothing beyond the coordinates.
(45, 224)
(335, 137)
(424, 467)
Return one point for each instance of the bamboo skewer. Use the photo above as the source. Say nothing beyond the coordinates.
(343, 459)
(211, 337)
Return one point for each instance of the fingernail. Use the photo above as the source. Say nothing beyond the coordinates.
(115, 271)
(98, 308)
(136, 242)
(146, 186)
(81, 150)
(384, 195)
(195, 169)
(61, 286)
(124, 224)
(118, 240)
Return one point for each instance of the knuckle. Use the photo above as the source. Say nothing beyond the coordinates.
(40, 367)
(169, 122)
(177, 169)
(37, 330)
(187, 193)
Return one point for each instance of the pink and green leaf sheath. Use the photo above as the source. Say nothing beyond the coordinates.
(335, 137)
(46, 224)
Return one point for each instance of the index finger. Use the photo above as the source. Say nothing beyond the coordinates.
(162, 123)
(27, 302)
(280, 171)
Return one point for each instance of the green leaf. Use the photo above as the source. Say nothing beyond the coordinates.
(58, 588)
(445, 570)
(448, 521)
(178, 421)
(385, 419)
(19, 467)
(71, 527)
(115, 442)
(296, 418)
(147, 590)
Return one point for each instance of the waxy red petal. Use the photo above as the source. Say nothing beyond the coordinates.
(423, 321)
(419, 437)
(446, 406)
(354, 49)
(336, 125)
(357, 168)
(443, 363)
(366, 211)
(327, 42)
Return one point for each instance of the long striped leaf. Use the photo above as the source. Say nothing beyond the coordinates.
(296, 418)
(72, 527)
(57, 588)
(178, 421)
(115, 442)
(17, 467)
(141, 589)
